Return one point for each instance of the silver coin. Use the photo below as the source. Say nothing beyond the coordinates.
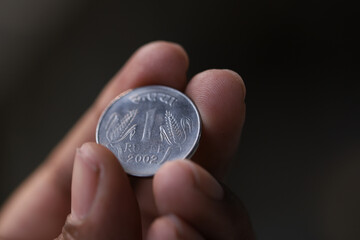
(148, 126)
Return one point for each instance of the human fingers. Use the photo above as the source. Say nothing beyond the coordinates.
(158, 63)
(219, 96)
(171, 227)
(103, 205)
(185, 189)
(42, 202)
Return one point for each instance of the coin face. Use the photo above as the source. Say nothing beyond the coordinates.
(147, 126)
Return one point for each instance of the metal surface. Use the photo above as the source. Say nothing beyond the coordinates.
(147, 126)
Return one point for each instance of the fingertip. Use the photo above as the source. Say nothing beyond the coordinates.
(102, 198)
(84, 182)
(219, 96)
(214, 80)
(204, 181)
(174, 172)
(96, 153)
(160, 62)
(155, 63)
(164, 49)
(173, 179)
(171, 227)
(162, 228)
(172, 175)
(236, 76)
(185, 175)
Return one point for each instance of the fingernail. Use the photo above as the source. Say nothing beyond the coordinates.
(205, 182)
(177, 224)
(183, 231)
(84, 182)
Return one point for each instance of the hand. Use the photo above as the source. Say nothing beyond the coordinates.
(182, 201)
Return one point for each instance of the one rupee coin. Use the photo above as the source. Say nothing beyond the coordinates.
(148, 126)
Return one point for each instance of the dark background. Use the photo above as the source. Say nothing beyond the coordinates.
(297, 168)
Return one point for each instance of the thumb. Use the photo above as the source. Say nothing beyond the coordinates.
(103, 205)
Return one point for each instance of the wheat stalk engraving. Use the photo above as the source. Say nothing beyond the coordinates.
(118, 129)
(173, 128)
(173, 132)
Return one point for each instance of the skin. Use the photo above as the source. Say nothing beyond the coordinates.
(82, 192)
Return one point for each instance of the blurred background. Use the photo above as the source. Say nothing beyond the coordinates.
(297, 168)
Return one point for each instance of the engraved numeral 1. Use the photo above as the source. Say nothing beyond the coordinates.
(149, 122)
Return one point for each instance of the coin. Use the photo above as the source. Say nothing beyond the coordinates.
(148, 126)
